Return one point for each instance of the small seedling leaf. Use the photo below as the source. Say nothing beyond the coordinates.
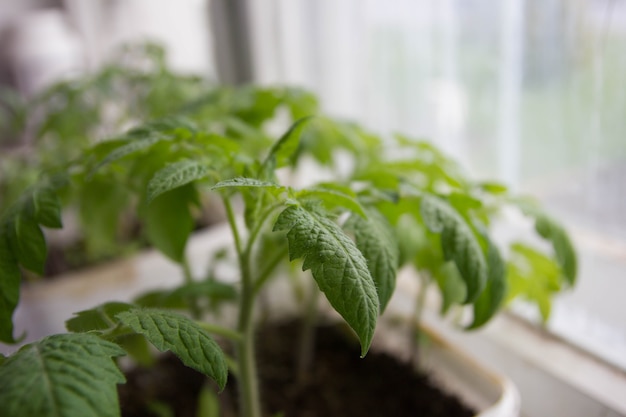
(452, 287)
(533, 276)
(301, 103)
(284, 148)
(127, 148)
(490, 300)
(168, 221)
(552, 231)
(28, 242)
(457, 242)
(563, 247)
(375, 239)
(337, 265)
(493, 187)
(22, 242)
(175, 175)
(241, 182)
(178, 298)
(101, 204)
(98, 318)
(67, 375)
(47, 208)
(181, 336)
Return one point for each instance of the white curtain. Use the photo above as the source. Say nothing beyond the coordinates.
(532, 93)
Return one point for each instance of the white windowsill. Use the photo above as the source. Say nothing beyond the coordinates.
(555, 378)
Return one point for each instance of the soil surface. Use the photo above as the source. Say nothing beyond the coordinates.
(339, 383)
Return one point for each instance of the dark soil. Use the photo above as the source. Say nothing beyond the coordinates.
(339, 383)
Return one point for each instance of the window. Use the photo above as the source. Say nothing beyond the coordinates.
(533, 93)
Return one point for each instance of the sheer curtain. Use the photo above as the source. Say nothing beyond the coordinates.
(531, 93)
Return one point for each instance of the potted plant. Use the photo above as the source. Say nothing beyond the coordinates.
(401, 203)
(55, 125)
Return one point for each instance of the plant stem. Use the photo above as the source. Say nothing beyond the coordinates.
(230, 214)
(261, 220)
(267, 271)
(250, 403)
(219, 330)
(307, 334)
(248, 383)
(196, 313)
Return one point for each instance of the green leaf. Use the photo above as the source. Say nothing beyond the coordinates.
(284, 148)
(452, 287)
(47, 208)
(563, 248)
(463, 202)
(131, 146)
(101, 203)
(490, 300)
(239, 128)
(175, 175)
(28, 242)
(181, 336)
(550, 230)
(168, 221)
(22, 242)
(137, 347)
(68, 375)
(255, 105)
(533, 276)
(375, 239)
(177, 125)
(9, 289)
(301, 103)
(336, 264)
(457, 242)
(332, 198)
(493, 187)
(178, 298)
(412, 239)
(211, 289)
(98, 318)
(241, 182)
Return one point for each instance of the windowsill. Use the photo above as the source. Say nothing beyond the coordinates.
(562, 360)
(554, 377)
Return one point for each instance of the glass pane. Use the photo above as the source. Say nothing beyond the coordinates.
(532, 93)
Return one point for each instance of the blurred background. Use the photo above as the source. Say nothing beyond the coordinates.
(529, 93)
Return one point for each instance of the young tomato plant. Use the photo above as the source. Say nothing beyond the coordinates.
(352, 234)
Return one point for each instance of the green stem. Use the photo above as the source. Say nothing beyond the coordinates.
(230, 214)
(248, 380)
(262, 217)
(250, 403)
(232, 365)
(196, 313)
(114, 332)
(221, 331)
(307, 334)
(266, 273)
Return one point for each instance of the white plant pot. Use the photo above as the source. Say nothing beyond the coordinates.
(485, 390)
(45, 306)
